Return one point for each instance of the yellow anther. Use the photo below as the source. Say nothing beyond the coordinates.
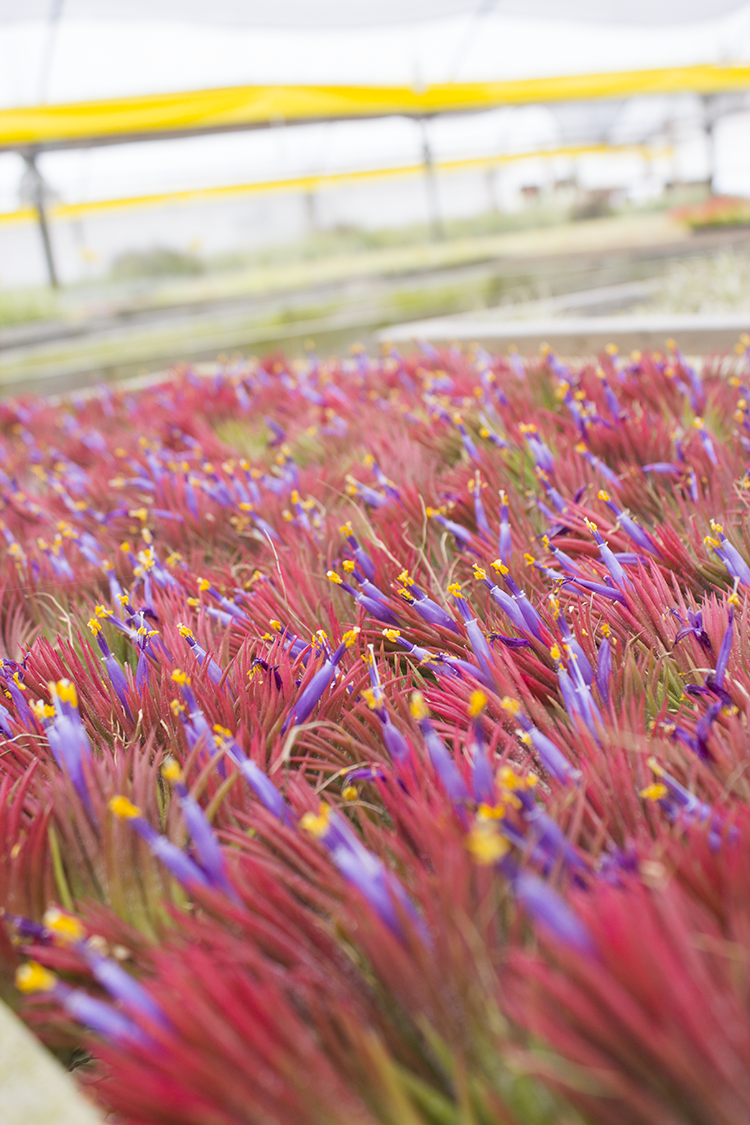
(480, 573)
(717, 527)
(180, 677)
(602, 495)
(486, 844)
(699, 423)
(417, 706)
(477, 704)
(529, 559)
(203, 584)
(733, 600)
(350, 638)
(590, 525)
(391, 634)
(138, 514)
(176, 707)
(66, 692)
(332, 576)
(711, 542)
(124, 808)
(500, 566)
(605, 629)
(185, 632)
(455, 590)
(654, 792)
(350, 793)
(370, 698)
(33, 977)
(346, 529)
(194, 603)
(491, 812)
(349, 565)
(512, 706)
(95, 626)
(171, 771)
(317, 824)
(555, 652)
(64, 926)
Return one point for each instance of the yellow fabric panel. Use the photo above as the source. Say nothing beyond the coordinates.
(317, 182)
(235, 107)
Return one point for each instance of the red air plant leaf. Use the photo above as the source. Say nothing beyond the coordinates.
(374, 740)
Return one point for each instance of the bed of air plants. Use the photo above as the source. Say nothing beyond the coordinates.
(375, 741)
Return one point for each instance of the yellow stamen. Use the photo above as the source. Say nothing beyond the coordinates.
(33, 977)
(171, 771)
(654, 792)
(350, 793)
(64, 926)
(317, 825)
(477, 704)
(418, 707)
(66, 692)
(124, 808)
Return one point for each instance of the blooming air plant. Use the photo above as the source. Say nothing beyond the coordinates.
(375, 740)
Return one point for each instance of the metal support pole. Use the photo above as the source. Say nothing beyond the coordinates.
(37, 198)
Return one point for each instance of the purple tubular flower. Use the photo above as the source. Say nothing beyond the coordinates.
(440, 756)
(609, 559)
(374, 606)
(551, 913)
(706, 441)
(694, 626)
(571, 643)
(215, 672)
(310, 696)
(530, 616)
(552, 758)
(466, 439)
(598, 588)
(427, 609)
(604, 670)
(479, 513)
(364, 562)
(395, 742)
(68, 739)
(504, 540)
(98, 1015)
(508, 605)
(461, 534)
(735, 564)
(207, 850)
(666, 468)
(121, 985)
(543, 457)
(600, 466)
(633, 530)
(185, 870)
(716, 681)
(370, 495)
(483, 779)
(363, 870)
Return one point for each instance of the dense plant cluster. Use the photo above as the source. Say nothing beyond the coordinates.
(375, 741)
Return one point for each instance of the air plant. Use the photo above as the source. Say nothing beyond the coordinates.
(396, 775)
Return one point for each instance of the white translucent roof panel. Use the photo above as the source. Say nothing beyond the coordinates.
(362, 13)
